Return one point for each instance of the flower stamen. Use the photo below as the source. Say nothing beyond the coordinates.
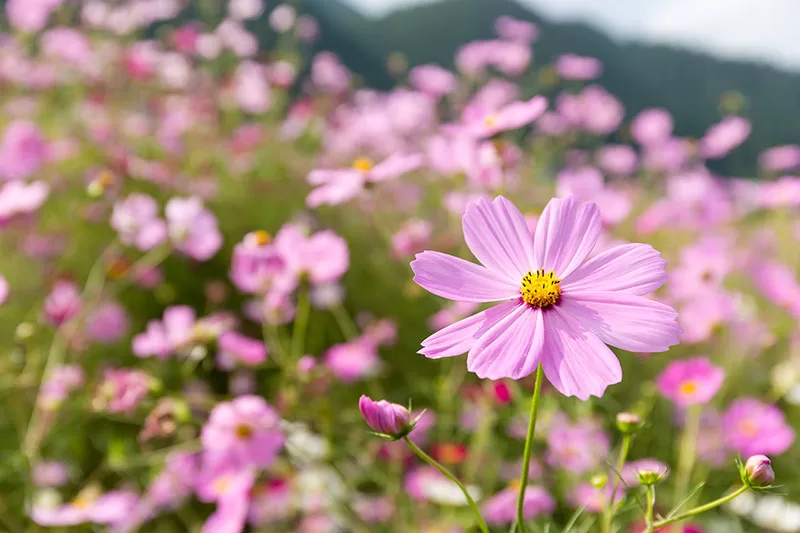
(541, 289)
(363, 164)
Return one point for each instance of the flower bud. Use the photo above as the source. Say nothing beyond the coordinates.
(599, 481)
(650, 476)
(628, 423)
(390, 420)
(758, 472)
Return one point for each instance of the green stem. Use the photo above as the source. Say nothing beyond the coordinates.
(651, 503)
(431, 461)
(611, 506)
(688, 451)
(526, 456)
(698, 510)
(345, 323)
(300, 325)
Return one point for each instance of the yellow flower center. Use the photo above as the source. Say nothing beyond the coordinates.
(262, 238)
(81, 502)
(749, 428)
(490, 120)
(244, 432)
(221, 484)
(540, 288)
(514, 484)
(363, 164)
(687, 388)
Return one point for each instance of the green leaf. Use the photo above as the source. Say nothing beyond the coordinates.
(686, 500)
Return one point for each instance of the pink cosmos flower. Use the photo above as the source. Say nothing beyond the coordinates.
(256, 263)
(558, 309)
(136, 220)
(244, 432)
(122, 390)
(48, 474)
(30, 15)
(690, 382)
(111, 508)
(306, 29)
(230, 489)
(18, 198)
(501, 509)
(63, 302)
(323, 256)
(236, 349)
(193, 228)
(411, 238)
(433, 80)
(575, 67)
(780, 158)
(724, 136)
(482, 122)
(252, 88)
(329, 74)
(61, 382)
(353, 361)
(593, 499)
(23, 150)
(271, 502)
(68, 45)
(751, 427)
(511, 29)
(617, 159)
(334, 187)
(577, 448)
(163, 338)
(107, 323)
(175, 482)
(652, 126)
(4, 289)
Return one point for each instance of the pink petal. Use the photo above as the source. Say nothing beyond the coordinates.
(498, 236)
(575, 361)
(511, 346)
(457, 338)
(565, 234)
(518, 114)
(630, 268)
(627, 321)
(396, 165)
(456, 279)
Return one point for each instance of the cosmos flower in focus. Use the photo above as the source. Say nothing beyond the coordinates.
(557, 309)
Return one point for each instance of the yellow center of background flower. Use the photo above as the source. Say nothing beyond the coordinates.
(688, 387)
(262, 237)
(244, 432)
(363, 164)
(490, 120)
(540, 288)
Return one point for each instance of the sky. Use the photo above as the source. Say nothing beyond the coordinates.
(763, 30)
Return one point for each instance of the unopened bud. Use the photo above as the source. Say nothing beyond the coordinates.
(650, 476)
(628, 423)
(25, 331)
(599, 481)
(758, 472)
(388, 419)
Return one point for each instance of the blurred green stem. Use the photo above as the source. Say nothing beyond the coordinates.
(526, 457)
(300, 324)
(651, 503)
(611, 506)
(697, 510)
(346, 324)
(431, 461)
(686, 456)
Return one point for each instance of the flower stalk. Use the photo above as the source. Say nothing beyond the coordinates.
(526, 457)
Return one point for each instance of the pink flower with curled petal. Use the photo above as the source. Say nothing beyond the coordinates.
(482, 123)
(193, 228)
(690, 382)
(558, 309)
(575, 67)
(334, 187)
(751, 427)
(136, 220)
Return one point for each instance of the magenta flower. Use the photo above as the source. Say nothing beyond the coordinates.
(50, 474)
(122, 390)
(385, 417)
(433, 80)
(575, 67)
(724, 136)
(193, 228)
(751, 427)
(30, 15)
(163, 338)
(68, 45)
(18, 198)
(617, 159)
(758, 471)
(558, 308)
(481, 122)
(516, 30)
(23, 150)
(175, 482)
(111, 508)
(323, 256)
(780, 158)
(236, 349)
(252, 88)
(63, 302)
(354, 360)
(243, 432)
(690, 382)
(230, 489)
(501, 509)
(256, 263)
(107, 323)
(652, 127)
(136, 220)
(334, 187)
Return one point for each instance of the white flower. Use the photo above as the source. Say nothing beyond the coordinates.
(303, 445)
(444, 492)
